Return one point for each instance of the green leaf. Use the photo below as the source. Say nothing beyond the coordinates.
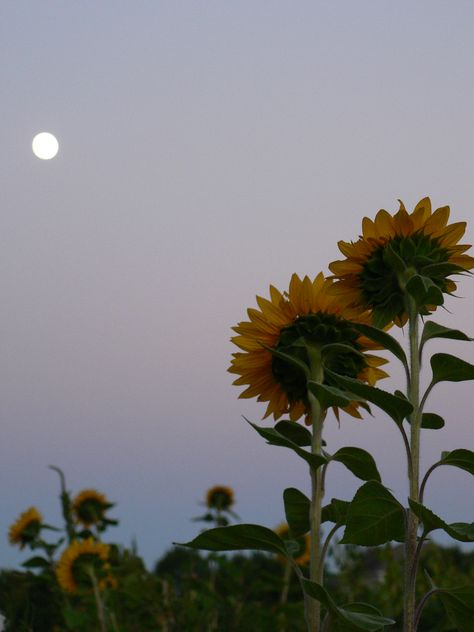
(464, 528)
(432, 421)
(449, 368)
(336, 511)
(382, 338)
(374, 517)
(297, 507)
(396, 407)
(294, 432)
(459, 605)
(461, 458)
(328, 396)
(338, 348)
(288, 358)
(460, 531)
(360, 608)
(36, 562)
(359, 462)
(433, 330)
(238, 538)
(347, 618)
(274, 437)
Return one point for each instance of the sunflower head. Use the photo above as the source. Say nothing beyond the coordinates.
(302, 544)
(402, 260)
(80, 562)
(220, 497)
(26, 529)
(89, 507)
(289, 324)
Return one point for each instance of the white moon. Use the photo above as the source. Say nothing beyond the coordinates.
(45, 146)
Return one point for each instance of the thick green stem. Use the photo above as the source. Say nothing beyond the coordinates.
(414, 475)
(317, 418)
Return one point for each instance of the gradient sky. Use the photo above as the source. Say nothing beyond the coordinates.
(207, 149)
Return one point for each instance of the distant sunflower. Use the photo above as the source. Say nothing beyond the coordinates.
(402, 254)
(220, 497)
(26, 528)
(309, 312)
(89, 507)
(303, 552)
(76, 562)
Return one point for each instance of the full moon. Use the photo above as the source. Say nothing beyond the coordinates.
(45, 146)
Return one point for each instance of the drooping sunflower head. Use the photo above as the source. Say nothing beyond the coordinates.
(402, 259)
(220, 497)
(302, 544)
(26, 529)
(308, 314)
(82, 561)
(89, 507)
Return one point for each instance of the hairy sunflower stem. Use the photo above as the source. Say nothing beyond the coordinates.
(317, 418)
(413, 473)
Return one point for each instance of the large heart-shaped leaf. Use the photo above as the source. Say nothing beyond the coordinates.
(295, 432)
(360, 462)
(396, 407)
(462, 458)
(461, 531)
(297, 507)
(449, 368)
(336, 511)
(348, 619)
(274, 437)
(238, 538)
(459, 605)
(374, 517)
(385, 340)
(433, 330)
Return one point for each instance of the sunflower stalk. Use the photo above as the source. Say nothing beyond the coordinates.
(317, 491)
(413, 472)
(98, 600)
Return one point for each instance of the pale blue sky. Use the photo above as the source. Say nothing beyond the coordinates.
(207, 149)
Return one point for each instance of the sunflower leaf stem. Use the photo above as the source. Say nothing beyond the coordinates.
(422, 604)
(317, 418)
(411, 543)
(425, 396)
(425, 479)
(407, 447)
(327, 542)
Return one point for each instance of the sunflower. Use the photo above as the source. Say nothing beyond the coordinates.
(80, 559)
(399, 258)
(308, 312)
(26, 528)
(89, 507)
(220, 497)
(303, 552)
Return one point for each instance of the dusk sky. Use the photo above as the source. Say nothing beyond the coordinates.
(207, 149)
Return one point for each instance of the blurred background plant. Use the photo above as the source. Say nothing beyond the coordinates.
(187, 591)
